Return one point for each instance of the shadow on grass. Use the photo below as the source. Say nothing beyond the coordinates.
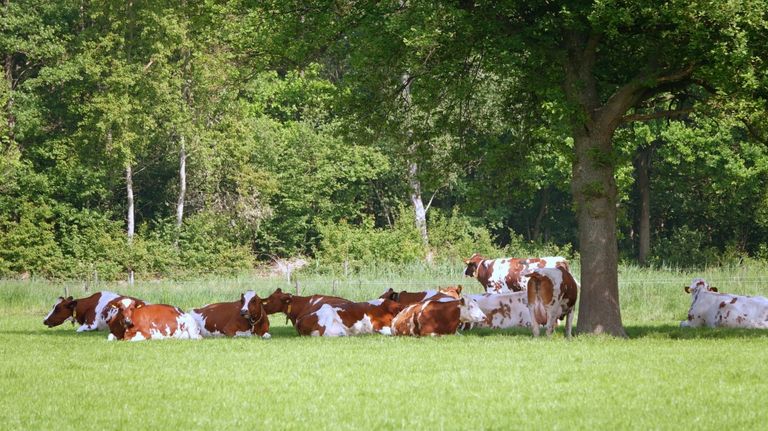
(276, 331)
(675, 332)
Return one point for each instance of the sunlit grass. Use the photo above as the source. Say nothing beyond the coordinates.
(663, 377)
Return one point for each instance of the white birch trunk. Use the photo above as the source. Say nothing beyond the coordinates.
(420, 212)
(182, 183)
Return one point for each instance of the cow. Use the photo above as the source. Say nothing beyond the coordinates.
(711, 308)
(111, 311)
(155, 321)
(294, 306)
(242, 318)
(552, 294)
(87, 312)
(436, 316)
(507, 274)
(503, 310)
(408, 298)
(355, 318)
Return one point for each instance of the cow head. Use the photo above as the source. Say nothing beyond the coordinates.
(251, 307)
(277, 302)
(125, 308)
(699, 285)
(473, 264)
(469, 311)
(62, 310)
(389, 294)
(452, 291)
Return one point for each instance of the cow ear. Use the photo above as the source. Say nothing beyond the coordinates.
(72, 305)
(70, 298)
(463, 302)
(279, 290)
(713, 289)
(687, 289)
(466, 261)
(458, 289)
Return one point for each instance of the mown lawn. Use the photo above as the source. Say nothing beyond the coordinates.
(663, 377)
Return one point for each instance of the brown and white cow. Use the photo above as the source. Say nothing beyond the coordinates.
(711, 308)
(408, 298)
(87, 312)
(294, 306)
(504, 310)
(242, 318)
(437, 317)
(156, 321)
(552, 294)
(355, 318)
(508, 274)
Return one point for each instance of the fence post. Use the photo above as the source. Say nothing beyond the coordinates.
(298, 288)
(96, 278)
(333, 287)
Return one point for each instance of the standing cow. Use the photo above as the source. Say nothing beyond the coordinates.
(711, 308)
(552, 294)
(508, 274)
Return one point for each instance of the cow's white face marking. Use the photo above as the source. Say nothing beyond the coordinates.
(247, 296)
(126, 302)
(470, 312)
(58, 301)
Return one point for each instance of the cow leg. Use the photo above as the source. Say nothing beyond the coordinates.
(534, 325)
(568, 324)
(86, 327)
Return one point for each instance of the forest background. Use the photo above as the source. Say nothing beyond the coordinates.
(179, 139)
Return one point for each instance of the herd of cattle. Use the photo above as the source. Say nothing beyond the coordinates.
(518, 293)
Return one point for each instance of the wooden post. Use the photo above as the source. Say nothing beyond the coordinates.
(66, 292)
(95, 278)
(298, 288)
(333, 287)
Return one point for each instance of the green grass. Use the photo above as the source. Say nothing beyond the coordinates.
(663, 377)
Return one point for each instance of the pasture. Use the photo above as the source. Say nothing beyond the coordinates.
(663, 377)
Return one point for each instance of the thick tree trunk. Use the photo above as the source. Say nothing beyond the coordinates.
(642, 162)
(182, 183)
(595, 196)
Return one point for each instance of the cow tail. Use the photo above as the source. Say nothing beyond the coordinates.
(539, 313)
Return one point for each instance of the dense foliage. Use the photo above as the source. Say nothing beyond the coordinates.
(313, 127)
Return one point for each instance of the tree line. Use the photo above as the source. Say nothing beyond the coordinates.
(166, 138)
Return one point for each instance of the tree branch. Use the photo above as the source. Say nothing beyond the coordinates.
(673, 114)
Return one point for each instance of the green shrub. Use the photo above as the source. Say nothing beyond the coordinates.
(454, 237)
(684, 249)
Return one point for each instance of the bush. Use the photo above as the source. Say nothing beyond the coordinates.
(454, 237)
(685, 249)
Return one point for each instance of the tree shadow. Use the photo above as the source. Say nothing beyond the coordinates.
(675, 332)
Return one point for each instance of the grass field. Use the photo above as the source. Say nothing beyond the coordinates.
(663, 377)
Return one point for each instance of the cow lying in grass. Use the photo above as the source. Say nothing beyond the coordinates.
(242, 318)
(436, 316)
(294, 306)
(503, 310)
(552, 294)
(91, 313)
(356, 318)
(507, 274)
(711, 308)
(408, 298)
(158, 321)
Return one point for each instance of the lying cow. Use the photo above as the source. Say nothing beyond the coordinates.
(241, 318)
(552, 294)
(157, 321)
(355, 318)
(507, 274)
(504, 310)
(87, 312)
(437, 317)
(408, 298)
(710, 308)
(294, 306)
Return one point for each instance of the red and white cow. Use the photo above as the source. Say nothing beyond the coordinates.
(355, 318)
(503, 310)
(552, 294)
(242, 318)
(710, 308)
(294, 306)
(87, 312)
(156, 321)
(437, 317)
(408, 298)
(508, 274)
